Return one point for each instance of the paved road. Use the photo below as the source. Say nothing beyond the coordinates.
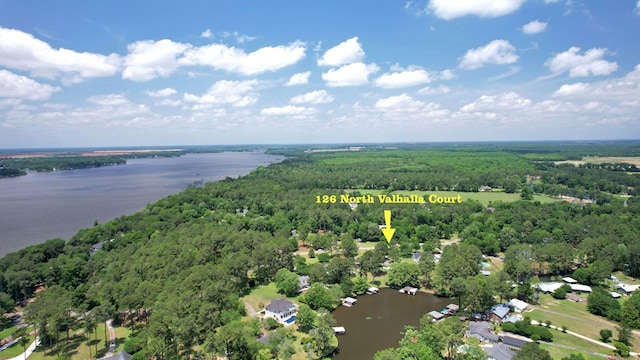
(112, 337)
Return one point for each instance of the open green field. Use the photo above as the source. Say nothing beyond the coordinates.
(575, 317)
(262, 295)
(7, 332)
(558, 352)
(485, 198)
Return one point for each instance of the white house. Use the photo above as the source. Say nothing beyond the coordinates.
(518, 305)
(282, 310)
(548, 287)
(580, 288)
(303, 283)
(626, 288)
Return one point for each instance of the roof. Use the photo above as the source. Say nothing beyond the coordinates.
(500, 310)
(280, 305)
(498, 351)
(569, 280)
(453, 307)
(514, 340)
(615, 294)
(580, 287)
(548, 287)
(485, 272)
(482, 331)
(122, 355)
(627, 288)
(350, 299)
(518, 304)
(416, 256)
(436, 315)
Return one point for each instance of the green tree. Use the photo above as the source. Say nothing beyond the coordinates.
(606, 335)
(526, 193)
(349, 246)
(532, 351)
(287, 282)
(360, 285)
(404, 274)
(426, 265)
(631, 310)
(305, 318)
(323, 334)
(318, 297)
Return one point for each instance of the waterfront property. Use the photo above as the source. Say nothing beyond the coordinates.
(372, 290)
(339, 330)
(437, 316)
(482, 331)
(499, 312)
(282, 310)
(498, 351)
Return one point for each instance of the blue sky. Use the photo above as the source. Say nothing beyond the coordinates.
(123, 73)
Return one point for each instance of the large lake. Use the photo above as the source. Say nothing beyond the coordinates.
(376, 321)
(42, 206)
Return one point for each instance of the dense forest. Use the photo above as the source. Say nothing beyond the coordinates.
(179, 267)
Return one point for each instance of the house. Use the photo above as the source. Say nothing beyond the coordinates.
(122, 355)
(416, 256)
(303, 283)
(580, 288)
(512, 318)
(518, 305)
(499, 312)
(95, 248)
(498, 352)
(626, 288)
(615, 295)
(548, 287)
(482, 330)
(569, 280)
(436, 315)
(282, 310)
(484, 188)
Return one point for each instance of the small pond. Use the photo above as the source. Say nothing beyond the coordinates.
(375, 322)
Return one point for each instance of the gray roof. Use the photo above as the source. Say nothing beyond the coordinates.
(482, 331)
(500, 310)
(280, 305)
(122, 355)
(499, 352)
(436, 315)
(416, 256)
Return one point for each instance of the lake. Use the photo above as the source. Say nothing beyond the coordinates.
(42, 206)
(375, 322)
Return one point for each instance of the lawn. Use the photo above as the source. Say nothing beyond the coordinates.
(262, 295)
(574, 316)
(557, 352)
(7, 332)
(15, 350)
(77, 348)
(485, 198)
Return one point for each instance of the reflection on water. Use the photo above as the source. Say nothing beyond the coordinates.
(376, 321)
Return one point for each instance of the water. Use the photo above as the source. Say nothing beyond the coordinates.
(42, 206)
(376, 321)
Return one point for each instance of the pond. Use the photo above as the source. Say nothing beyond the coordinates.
(375, 322)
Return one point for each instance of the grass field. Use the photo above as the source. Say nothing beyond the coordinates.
(77, 348)
(7, 332)
(485, 198)
(15, 350)
(575, 317)
(262, 295)
(558, 352)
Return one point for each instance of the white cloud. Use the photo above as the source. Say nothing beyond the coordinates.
(550, 1)
(347, 52)
(169, 102)
(161, 92)
(405, 78)
(299, 79)
(534, 27)
(502, 102)
(434, 91)
(591, 63)
(22, 51)
(286, 110)
(399, 101)
(495, 52)
(447, 9)
(447, 74)
(236, 93)
(207, 34)
(638, 7)
(148, 59)
(22, 87)
(350, 75)
(313, 97)
(572, 89)
(108, 100)
(231, 59)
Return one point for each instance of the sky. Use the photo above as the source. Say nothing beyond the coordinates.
(201, 72)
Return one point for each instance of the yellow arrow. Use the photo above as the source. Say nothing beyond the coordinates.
(388, 231)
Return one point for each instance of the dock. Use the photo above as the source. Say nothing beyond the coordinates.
(339, 330)
(349, 301)
(408, 290)
(372, 290)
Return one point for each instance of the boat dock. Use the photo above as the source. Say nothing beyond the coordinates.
(339, 330)
(408, 290)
